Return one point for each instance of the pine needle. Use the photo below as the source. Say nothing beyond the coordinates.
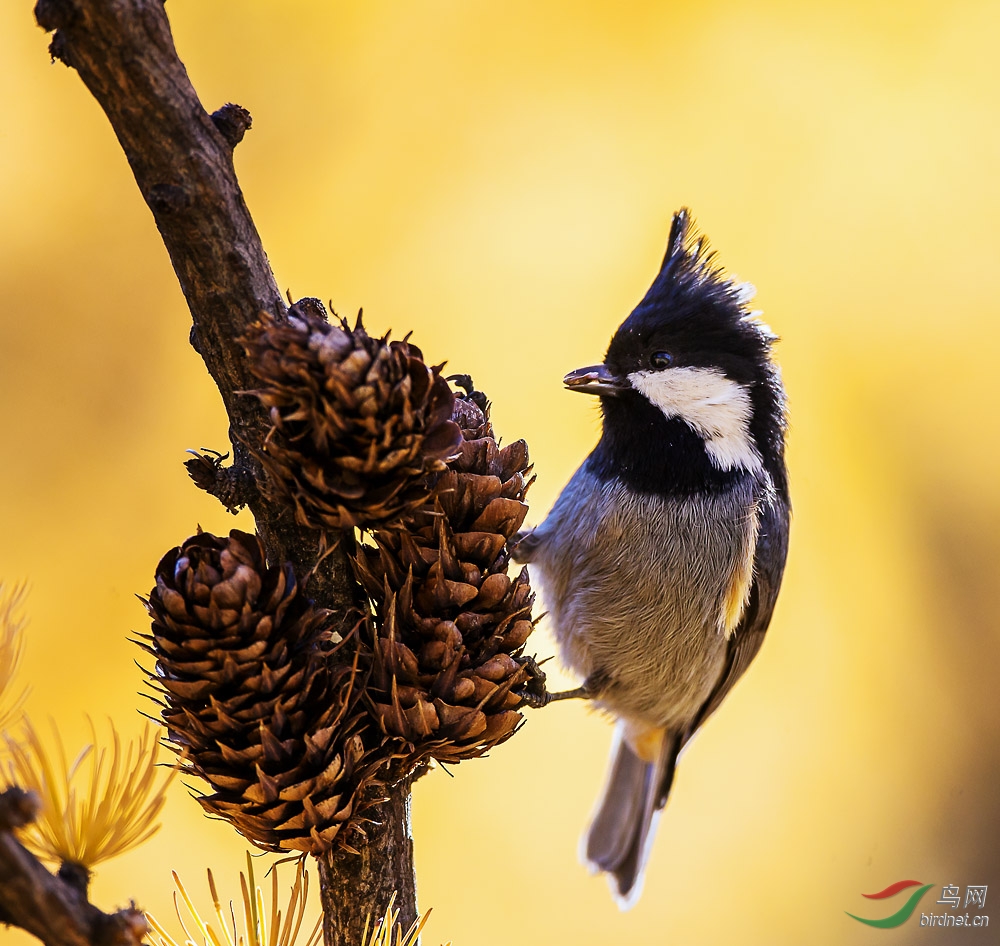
(262, 925)
(11, 649)
(265, 925)
(102, 805)
(382, 934)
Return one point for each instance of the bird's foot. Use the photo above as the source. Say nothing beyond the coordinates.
(534, 694)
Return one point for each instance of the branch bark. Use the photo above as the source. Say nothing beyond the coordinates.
(182, 159)
(55, 911)
(366, 877)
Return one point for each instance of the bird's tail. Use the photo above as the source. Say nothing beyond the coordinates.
(621, 832)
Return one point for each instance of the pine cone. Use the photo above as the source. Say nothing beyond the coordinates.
(252, 700)
(451, 624)
(357, 422)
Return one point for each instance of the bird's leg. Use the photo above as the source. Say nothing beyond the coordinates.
(535, 700)
(577, 693)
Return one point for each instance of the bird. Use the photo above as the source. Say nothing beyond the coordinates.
(661, 560)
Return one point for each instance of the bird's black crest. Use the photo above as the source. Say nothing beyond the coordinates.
(691, 285)
(693, 307)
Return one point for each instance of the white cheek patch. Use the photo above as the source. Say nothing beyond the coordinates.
(712, 405)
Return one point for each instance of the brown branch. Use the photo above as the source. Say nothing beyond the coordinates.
(44, 904)
(182, 159)
(348, 880)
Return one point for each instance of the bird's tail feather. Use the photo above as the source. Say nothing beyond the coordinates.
(622, 829)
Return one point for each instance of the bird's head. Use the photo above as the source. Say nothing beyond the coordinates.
(694, 351)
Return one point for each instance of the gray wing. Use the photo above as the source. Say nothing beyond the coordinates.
(769, 564)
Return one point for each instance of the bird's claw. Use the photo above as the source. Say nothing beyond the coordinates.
(534, 699)
(534, 695)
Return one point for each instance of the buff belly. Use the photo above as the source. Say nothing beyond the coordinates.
(644, 592)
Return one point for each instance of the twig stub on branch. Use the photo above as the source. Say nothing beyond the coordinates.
(18, 808)
(233, 122)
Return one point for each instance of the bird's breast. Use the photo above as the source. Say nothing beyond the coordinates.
(644, 589)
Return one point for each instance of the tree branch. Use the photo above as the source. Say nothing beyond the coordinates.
(350, 880)
(182, 159)
(44, 904)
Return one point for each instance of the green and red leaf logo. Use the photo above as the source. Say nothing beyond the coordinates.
(904, 912)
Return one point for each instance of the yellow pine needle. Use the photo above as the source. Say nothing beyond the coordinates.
(11, 648)
(89, 816)
(261, 926)
(382, 935)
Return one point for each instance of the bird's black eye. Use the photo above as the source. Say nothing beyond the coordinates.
(661, 359)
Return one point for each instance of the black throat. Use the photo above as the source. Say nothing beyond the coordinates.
(652, 454)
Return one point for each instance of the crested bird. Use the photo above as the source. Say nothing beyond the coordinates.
(661, 560)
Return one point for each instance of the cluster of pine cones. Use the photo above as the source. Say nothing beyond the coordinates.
(294, 729)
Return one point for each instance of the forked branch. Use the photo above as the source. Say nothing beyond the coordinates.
(55, 911)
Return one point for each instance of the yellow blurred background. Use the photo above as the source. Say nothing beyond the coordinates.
(499, 178)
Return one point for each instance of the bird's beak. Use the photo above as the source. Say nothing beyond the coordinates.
(597, 379)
